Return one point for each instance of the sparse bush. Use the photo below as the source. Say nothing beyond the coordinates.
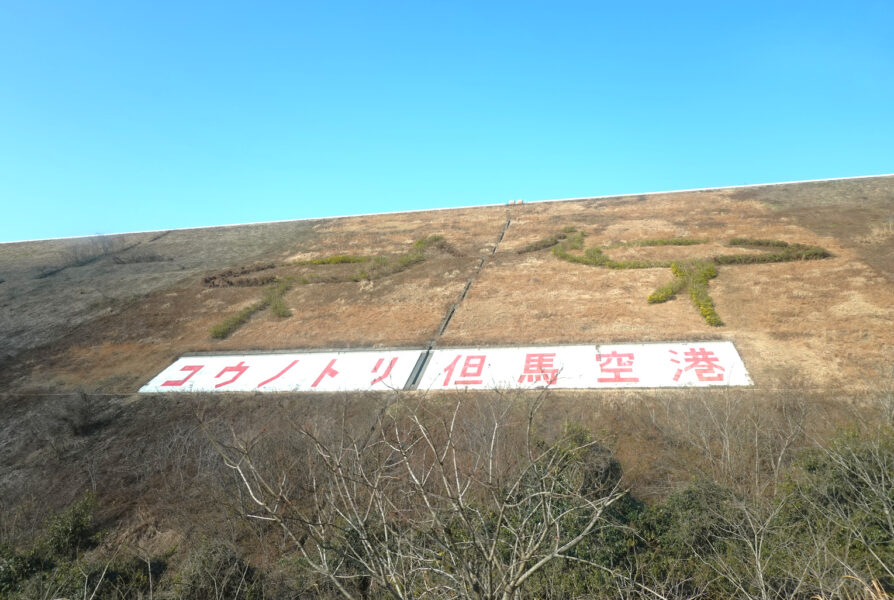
(72, 530)
(273, 299)
(217, 570)
(548, 242)
(232, 323)
(338, 259)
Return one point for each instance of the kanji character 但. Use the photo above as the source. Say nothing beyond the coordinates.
(539, 367)
(193, 369)
(239, 369)
(278, 375)
(387, 370)
(705, 363)
(473, 366)
(623, 365)
(327, 371)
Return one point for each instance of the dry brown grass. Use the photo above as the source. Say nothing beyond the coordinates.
(823, 321)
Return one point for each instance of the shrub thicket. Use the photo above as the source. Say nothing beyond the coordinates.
(693, 275)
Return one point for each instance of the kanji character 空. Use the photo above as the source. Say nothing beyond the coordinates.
(623, 365)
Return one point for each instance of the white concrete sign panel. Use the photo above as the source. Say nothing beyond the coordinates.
(300, 372)
(696, 364)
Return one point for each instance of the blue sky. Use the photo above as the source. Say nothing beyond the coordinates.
(125, 116)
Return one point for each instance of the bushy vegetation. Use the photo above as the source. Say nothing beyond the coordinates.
(374, 267)
(272, 299)
(817, 527)
(550, 241)
(693, 275)
(761, 505)
(338, 259)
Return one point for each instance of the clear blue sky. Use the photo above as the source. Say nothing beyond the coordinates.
(123, 116)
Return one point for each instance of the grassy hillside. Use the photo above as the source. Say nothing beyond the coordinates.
(776, 491)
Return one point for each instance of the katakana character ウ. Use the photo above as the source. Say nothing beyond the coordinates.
(239, 369)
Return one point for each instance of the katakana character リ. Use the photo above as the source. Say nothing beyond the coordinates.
(539, 367)
(238, 369)
(278, 375)
(327, 371)
(472, 367)
(178, 382)
(387, 370)
(703, 361)
(623, 366)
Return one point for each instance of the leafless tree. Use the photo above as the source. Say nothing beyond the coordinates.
(432, 506)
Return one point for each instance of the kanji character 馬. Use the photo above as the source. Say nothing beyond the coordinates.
(539, 367)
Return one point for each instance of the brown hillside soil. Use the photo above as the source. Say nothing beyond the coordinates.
(824, 322)
(121, 350)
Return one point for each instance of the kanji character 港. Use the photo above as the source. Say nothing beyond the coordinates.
(703, 361)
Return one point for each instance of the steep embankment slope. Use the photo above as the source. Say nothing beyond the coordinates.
(121, 309)
(84, 323)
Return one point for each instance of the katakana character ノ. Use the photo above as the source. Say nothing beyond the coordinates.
(278, 375)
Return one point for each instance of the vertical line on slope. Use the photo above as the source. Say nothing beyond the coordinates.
(413, 380)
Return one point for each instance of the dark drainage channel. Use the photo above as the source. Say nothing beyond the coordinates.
(416, 373)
